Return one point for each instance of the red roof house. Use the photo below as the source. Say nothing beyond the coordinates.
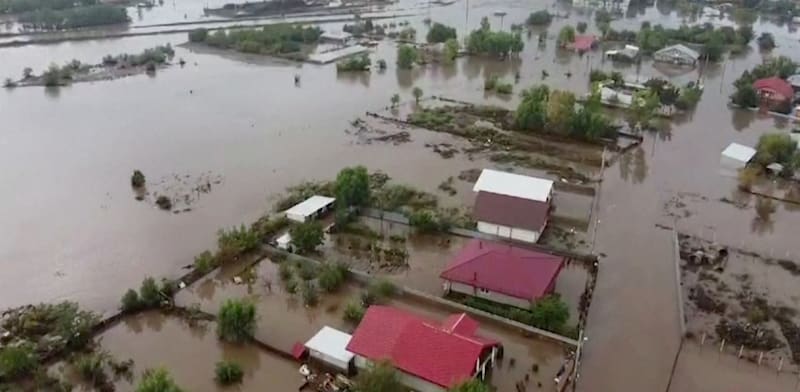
(429, 355)
(583, 43)
(502, 273)
(774, 89)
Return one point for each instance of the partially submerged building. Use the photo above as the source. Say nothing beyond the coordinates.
(736, 156)
(511, 205)
(329, 347)
(429, 356)
(310, 208)
(583, 43)
(502, 273)
(629, 53)
(774, 93)
(677, 54)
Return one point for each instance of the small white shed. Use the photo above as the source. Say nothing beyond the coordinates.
(736, 156)
(329, 346)
(309, 208)
(285, 241)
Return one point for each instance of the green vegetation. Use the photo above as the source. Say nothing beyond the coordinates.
(616, 78)
(131, 301)
(652, 38)
(71, 18)
(428, 221)
(566, 36)
(354, 312)
(150, 293)
(331, 276)
(766, 41)
(236, 321)
(539, 18)
(451, 48)
(355, 63)
(581, 27)
(164, 202)
(156, 55)
(198, 35)
(378, 292)
(20, 6)
(380, 377)
(494, 43)
(493, 83)
(235, 242)
(137, 179)
(17, 362)
(307, 270)
(205, 262)
(279, 39)
(158, 380)
(643, 108)
(746, 96)
(228, 373)
(352, 187)
(395, 100)
(307, 236)
(407, 55)
(441, 33)
(408, 34)
(90, 367)
(417, 92)
(362, 28)
(310, 293)
(778, 148)
(473, 385)
(550, 313)
(556, 112)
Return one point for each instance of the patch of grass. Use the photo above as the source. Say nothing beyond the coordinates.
(228, 373)
(17, 362)
(354, 312)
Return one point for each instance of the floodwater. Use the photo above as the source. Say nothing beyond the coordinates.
(284, 321)
(153, 340)
(72, 229)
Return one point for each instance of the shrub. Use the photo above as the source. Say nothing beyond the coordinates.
(424, 221)
(131, 301)
(440, 33)
(581, 27)
(291, 286)
(236, 241)
(198, 35)
(90, 368)
(164, 202)
(504, 88)
(137, 179)
(539, 18)
(149, 293)
(285, 271)
(354, 312)
(550, 313)
(310, 294)
(378, 292)
(228, 372)
(158, 380)
(236, 321)
(332, 276)
(406, 56)
(17, 362)
(204, 262)
(379, 377)
(307, 236)
(307, 270)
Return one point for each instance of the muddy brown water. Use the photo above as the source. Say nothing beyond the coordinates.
(72, 229)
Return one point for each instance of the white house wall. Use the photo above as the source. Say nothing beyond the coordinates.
(508, 232)
(328, 359)
(489, 295)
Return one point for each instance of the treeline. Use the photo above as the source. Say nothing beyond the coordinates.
(157, 55)
(746, 95)
(495, 43)
(272, 39)
(70, 18)
(557, 112)
(20, 6)
(652, 38)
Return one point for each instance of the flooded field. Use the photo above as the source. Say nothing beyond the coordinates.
(192, 354)
(74, 230)
(284, 320)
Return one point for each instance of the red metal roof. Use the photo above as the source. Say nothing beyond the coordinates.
(440, 354)
(510, 211)
(775, 84)
(505, 269)
(584, 42)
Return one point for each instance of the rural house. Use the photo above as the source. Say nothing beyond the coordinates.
(583, 43)
(428, 355)
(512, 205)
(775, 93)
(502, 273)
(678, 55)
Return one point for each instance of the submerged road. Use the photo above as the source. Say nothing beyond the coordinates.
(633, 326)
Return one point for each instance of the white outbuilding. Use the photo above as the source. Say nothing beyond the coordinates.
(736, 156)
(310, 208)
(329, 346)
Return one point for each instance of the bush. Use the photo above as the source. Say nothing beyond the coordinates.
(137, 179)
(198, 35)
(228, 372)
(539, 18)
(90, 368)
(406, 56)
(291, 286)
(236, 321)
(17, 362)
(310, 294)
(307, 236)
(355, 63)
(354, 312)
(441, 33)
(581, 27)
(150, 293)
(424, 221)
(550, 313)
(236, 241)
(381, 376)
(158, 380)
(307, 270)
(131, 301)
(285, 271)
(204, 262)
(504, 88)
(164, 202)
(332, 276)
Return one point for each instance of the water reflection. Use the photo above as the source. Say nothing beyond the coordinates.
(762, 222)
(742, 119)
(52, 92)
(361, 78)
(633, 166)
(406, 78)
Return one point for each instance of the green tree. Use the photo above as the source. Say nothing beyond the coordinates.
(27, 72)
(745, 96)
(766, 41)
(715, 47)
(406, 56)
(775, 148)
(744, 34)
(352, 185)
(228, 373)
(137, 179)
(472, 385)
(52, 77)
(17, 362)
(307, 236)
(158, 380)
(581, 27)
(380, 377)
(539, 18)
(417, 92)
(441, 33)
(130, 301)
(550, 313)
(644, 107)
(395, 100)
(198, 35)
(332, 276)
(451, 48)
(566, 35)
(531, 114)
(560, 110)
(236, 321)
(150, 293)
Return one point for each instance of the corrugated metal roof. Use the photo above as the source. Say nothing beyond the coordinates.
(739, 152)
(516, 185)
(310, 205)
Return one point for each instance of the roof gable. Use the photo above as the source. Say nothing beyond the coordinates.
(505, 269)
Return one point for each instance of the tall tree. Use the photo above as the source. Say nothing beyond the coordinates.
(560, 109)
(406, 56)
(531, 112)
(236, 321)
(352, 186)
(307, 236)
